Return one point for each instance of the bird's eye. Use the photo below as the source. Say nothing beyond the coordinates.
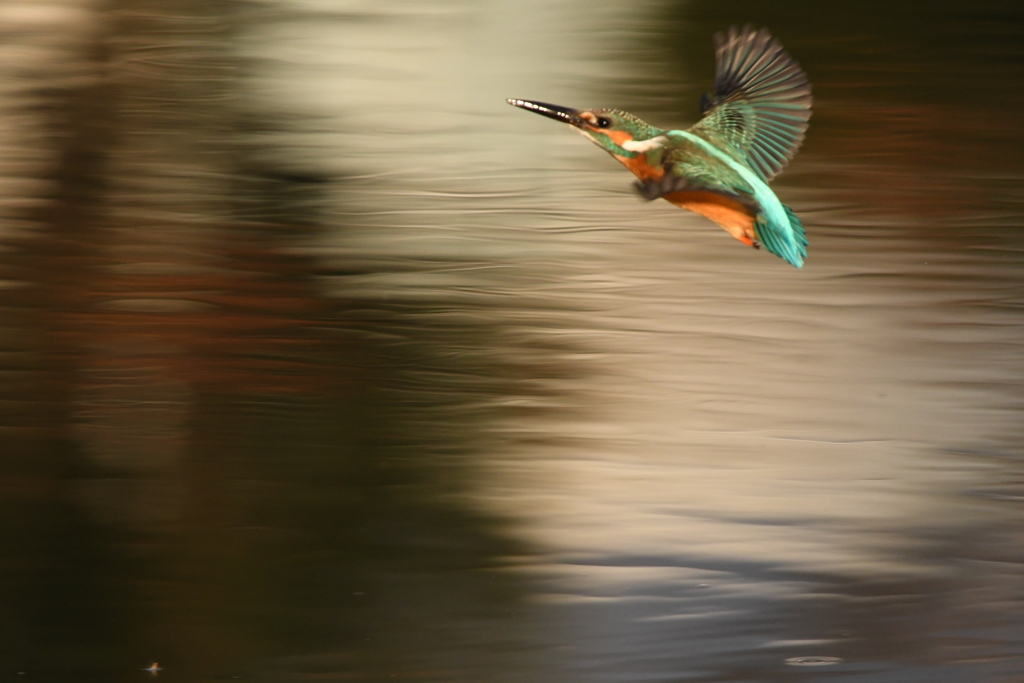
(603, 122)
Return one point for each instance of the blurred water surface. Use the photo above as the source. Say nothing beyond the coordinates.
(322, 363)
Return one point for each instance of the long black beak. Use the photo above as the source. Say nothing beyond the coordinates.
(552, 111)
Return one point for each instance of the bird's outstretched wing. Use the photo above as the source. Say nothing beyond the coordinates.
(762, 101)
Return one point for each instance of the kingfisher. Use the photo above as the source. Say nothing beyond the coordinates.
(750, 128)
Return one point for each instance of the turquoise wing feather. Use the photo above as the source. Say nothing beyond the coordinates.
(762, 101)
(786, 241)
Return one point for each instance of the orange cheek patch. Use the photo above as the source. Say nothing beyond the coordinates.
(618, 136)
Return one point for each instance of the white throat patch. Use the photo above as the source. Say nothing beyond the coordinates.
(644, 145)
(586, 134)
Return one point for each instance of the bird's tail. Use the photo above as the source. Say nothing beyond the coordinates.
(786, 241)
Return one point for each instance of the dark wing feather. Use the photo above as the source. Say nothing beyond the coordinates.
(671, 183)
(762, 101)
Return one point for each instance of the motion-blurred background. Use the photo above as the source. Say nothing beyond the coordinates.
(318, 362)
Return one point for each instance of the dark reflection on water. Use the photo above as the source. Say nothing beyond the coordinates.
(321, 363)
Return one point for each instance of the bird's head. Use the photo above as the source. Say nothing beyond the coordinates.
(617, 132)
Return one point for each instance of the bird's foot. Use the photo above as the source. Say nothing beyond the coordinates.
(647, 190)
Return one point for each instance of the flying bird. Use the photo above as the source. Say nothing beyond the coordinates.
(751, 127)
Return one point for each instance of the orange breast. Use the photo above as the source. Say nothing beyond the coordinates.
(735, 218)
(640, 168)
